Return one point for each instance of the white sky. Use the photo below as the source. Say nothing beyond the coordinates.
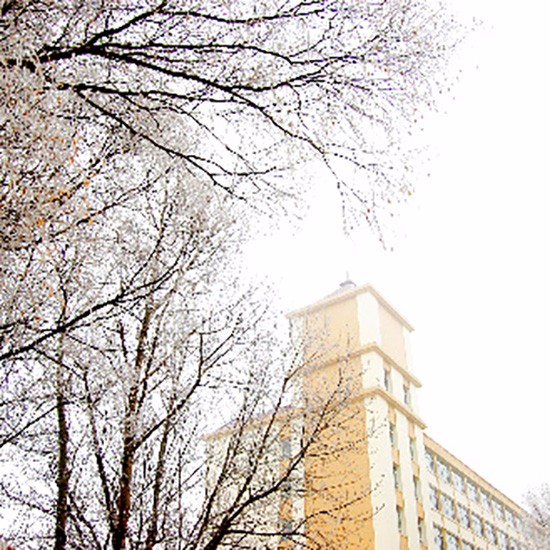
(470, 267)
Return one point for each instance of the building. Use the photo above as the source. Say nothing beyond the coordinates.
(391, 486)
(371, 478)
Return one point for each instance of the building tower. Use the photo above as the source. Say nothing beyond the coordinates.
(382, 483)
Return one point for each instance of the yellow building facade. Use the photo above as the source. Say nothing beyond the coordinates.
(380, 482)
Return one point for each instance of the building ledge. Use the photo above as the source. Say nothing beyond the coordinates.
(372, 347)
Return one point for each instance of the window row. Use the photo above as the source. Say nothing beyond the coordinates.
(458, 512)
(420, 524)
(397, 482)
(412, 443)
(447, 541)
(465, 485)
(388, 385)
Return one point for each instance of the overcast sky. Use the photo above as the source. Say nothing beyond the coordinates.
(470, 265)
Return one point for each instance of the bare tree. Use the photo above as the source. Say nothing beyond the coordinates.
(175, 237)
(538, 522)
(133, 393)
(136, 138)
(113, 438)
(239, 91)
(235, 93)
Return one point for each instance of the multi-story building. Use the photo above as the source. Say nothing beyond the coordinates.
(388, 485)
(369, 478)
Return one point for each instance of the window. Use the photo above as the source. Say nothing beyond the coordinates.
(438, 538)
(393, 436)
(497, 507)
(387, 380)
(502, 540)
(463, 517)
(490, 533)
(452, 542)
(417, 489)
(485, 500)
(472, 490)
(509, 517)
(286, 488)
(407, 395)
(434, 497)
(448, 506)
(430, 462)
(520, 525)
(458, 481)
(421, 531)
(443, 470)
(477, 526)
(400, 520)
(412, 448)
(286, 448)
(396, 476)
(286, 528)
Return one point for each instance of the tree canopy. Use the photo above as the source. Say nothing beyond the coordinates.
(138, 139)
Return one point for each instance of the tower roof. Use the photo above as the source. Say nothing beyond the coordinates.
(349, 290)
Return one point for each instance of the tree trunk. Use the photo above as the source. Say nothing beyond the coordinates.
(128, 453)
(159, 476)
(125, 496)
(62, 463)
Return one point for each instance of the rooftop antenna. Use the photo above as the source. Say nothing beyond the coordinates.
(348, 283)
